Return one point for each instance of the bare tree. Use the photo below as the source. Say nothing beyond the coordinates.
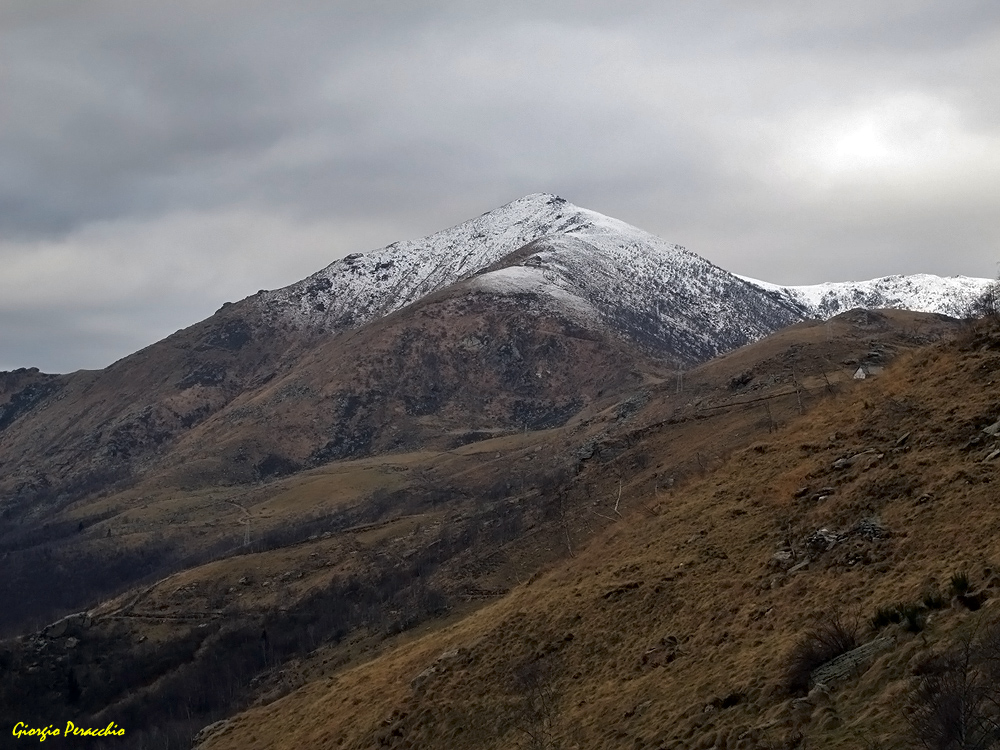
(534, 683)
(987, 304)
(956, 703)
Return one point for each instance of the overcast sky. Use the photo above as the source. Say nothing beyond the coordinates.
(160, 158)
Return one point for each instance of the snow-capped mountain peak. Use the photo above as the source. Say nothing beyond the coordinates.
(572, 260)
(361, 287)
(595, 269)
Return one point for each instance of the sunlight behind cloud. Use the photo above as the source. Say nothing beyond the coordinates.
(898, 140)
(905, 133)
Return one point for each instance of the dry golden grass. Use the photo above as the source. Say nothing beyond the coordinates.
(638, 640)
(670, 608)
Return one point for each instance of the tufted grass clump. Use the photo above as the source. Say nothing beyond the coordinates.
(932, 599)
(909, 614)
(885, 616)
(960, 583)
(911, 617)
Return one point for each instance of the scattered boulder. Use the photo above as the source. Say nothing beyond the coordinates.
(70, 625)
(783, 557)
(869, 456)
(870, 529)
(822, 539)
(442, 664)
(851, 663)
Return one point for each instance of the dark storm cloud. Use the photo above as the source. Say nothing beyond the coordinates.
(168, 156)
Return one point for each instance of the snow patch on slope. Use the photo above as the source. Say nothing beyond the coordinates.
(657, 294)
(517, 280)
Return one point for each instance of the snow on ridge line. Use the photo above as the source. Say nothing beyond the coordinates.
(950, 295)
(363, 286)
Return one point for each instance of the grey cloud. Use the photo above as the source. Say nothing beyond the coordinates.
(350, 123)
(64, 341)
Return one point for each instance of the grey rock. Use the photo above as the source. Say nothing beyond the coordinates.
(799, 566)
(822, 539)
(209, 731)
(68, 625)
(870, 529)
(851, 663)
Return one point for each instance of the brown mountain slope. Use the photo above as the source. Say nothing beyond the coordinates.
(344, 555)
(673, 627)
(193, 424)
(88, 431)
(455, 367)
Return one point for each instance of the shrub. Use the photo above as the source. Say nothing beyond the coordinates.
(960, 582)
(955, 703)
(816, 647)
(885, 616)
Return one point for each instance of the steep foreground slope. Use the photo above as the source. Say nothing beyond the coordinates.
(677, 626)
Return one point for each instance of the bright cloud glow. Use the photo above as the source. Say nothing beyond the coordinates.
(905, 133)
(901, 138)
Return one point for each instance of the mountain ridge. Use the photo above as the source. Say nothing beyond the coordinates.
(62, 437)
(109, 426)
(922, 292)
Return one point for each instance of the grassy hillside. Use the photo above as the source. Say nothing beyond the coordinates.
(360, 559)
(686, 623)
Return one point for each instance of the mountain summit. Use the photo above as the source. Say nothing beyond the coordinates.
(657, 294)
(518, 318)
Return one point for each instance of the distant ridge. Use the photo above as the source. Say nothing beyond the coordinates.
(922, 292)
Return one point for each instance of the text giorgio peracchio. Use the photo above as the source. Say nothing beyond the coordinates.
(24, 731)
